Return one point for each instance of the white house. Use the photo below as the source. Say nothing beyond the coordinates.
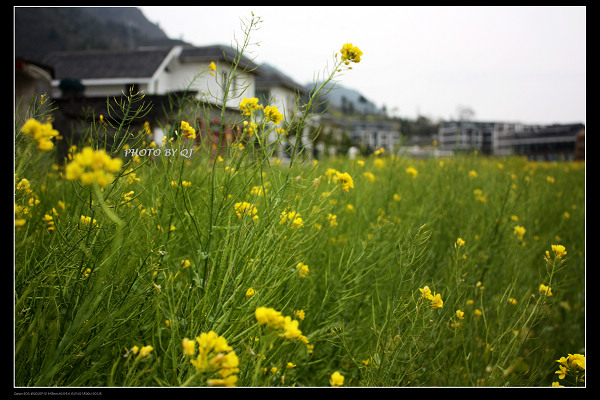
(157, 71)
(274, 88)
(160, 71)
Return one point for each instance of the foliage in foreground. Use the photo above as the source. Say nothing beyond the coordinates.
(239, 269)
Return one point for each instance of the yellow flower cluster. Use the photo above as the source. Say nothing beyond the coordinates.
(92, 166)
(187, 131)
(277, 321)
(302, 269)
(291, 216)
(258, 191)
(436, 298)
(519, 231)
(243, 208)
(412, 172)
(572, 365)
(478, 193)
(350, 53)
(369, 176)
(41, 133)
(336, 379)
(545, 290)
(24, 187)
(273, 114)
(343, 179)
(332, 219)
(214, 355)
(88, 220)
(143, 352)
(248, 106)
(559, 250)
(49, 221)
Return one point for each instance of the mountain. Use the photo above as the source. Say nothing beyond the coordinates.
(348, 101)
(42, 30)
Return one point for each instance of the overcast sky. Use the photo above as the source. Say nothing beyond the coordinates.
(511, 64)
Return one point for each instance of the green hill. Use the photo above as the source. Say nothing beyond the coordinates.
(42, 30)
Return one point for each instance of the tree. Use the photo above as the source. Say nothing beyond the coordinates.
(465, 113)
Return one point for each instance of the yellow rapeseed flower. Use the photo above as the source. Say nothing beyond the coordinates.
(344, 180)
(291, 216)
(273, 114)
(248, 106)
(92, 167)
(42, 133)
(270, 317)
(559, 250)
(290, 327)
(214, 355)
(436, 301)
(145, 351)
(369, 176)
(546, 290)
(277, 321)
(243, 208)
(302, 269)
(336, 379)
(331, 173)
(412, 172)
(87, 220)
(187, 131)
(189, 347)
(350, 53)
(426, 293)
(332, 219)
(576, 361)
(49, 221)
(519, 231)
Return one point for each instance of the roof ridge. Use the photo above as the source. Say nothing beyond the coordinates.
(110, 51)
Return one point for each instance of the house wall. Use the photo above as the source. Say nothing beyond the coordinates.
(285, 101)
(175, 75)
(99, 89)
(196, 76)
(30, 81)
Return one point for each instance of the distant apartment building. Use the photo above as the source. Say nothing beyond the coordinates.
(338, 134)
(536, 142)
(376, 134)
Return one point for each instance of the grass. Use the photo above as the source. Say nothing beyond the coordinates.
(168, 258)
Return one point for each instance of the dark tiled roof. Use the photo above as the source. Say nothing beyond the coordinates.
(140, 63)
(271, 76)
(214, 53)
(107, 64)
